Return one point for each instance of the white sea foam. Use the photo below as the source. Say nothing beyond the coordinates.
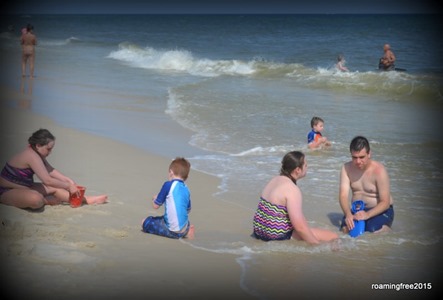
(57, 42)
(179, 60)
(265, 150)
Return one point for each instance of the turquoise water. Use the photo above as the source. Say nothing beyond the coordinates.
(235, 93)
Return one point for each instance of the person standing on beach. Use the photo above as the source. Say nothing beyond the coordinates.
(176, 197)
(315, 137)
(279, 215)
(17, 186)
(387, 62)
(28, 41)
(369, 182)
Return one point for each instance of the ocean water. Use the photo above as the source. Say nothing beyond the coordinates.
(234, 93)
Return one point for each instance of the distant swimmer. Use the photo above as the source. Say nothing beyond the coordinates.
(387, 62)
(340, 65)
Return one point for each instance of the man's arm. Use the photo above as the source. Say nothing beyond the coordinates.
(345, 185)
(391, 57)
(344, 191)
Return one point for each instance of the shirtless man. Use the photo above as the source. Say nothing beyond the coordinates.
(387, 62)
(368, 181)
(28, 42)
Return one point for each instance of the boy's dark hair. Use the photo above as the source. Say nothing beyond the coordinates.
(180, 166)
(359, 143)
(315, 121)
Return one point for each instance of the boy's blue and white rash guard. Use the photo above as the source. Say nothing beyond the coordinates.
(176, 197)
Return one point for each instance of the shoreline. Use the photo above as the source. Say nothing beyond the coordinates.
(99, 251)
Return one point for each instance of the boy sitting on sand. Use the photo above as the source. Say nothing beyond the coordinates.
(315, 138)
(176, 197)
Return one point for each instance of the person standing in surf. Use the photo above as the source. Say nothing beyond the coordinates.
(387, 62)
(28, 41)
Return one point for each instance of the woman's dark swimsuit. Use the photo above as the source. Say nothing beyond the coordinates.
(19, 176)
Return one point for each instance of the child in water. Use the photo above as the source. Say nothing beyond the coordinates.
(315, 137)
(341, 64)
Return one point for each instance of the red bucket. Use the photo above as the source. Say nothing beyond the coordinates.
(76, 200)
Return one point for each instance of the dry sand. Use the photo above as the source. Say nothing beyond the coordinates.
(99, 251)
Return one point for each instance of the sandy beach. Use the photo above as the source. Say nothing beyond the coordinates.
(99, 251)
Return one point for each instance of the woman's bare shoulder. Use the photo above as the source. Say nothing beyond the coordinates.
(24, 158)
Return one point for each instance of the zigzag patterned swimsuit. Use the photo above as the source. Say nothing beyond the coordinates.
(271, 222)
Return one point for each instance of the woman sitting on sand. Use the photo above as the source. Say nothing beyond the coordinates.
(279, 215)
(17, 186)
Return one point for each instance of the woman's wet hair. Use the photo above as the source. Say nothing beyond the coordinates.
(41, 137)
(290, 162)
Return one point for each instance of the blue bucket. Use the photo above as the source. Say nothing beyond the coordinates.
(359, 226)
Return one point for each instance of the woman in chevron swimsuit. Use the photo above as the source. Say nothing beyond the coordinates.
(279, 215)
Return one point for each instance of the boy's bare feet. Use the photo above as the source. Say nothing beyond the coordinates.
(191, 233)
